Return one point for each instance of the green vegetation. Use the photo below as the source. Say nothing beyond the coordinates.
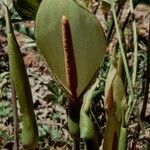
(83, 68)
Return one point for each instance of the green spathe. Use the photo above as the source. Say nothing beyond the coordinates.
(87, 36)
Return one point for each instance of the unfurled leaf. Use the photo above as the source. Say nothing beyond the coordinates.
(87, 129)
(87, 37)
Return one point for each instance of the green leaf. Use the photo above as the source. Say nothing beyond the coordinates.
(87, 36)
(55, 134)
(122, 139)
(53, 88)
(106, 5)
(27, 8)
(87, 129)
(28, 31)
(5, 109)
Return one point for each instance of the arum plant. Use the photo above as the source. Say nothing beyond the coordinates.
(132, 98)
(20, 82)
(115, 100)
(115, 103)
(71, 79)
(131, 83)
(73, 44)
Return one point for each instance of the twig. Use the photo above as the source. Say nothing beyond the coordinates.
(15, 118)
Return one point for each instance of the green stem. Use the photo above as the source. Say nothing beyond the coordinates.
(73, 123)
(132, 102)
(122, 52)
(135, 46)
(120, 6)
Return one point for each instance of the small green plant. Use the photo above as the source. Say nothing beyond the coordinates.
(69, 58)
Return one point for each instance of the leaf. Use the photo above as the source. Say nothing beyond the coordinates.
(19, 79)
(53, 88)
(5, 109)
(122, 139)
(119, 96)
(28, 31)
(111, 136)
(109, 101)
(106, 5)
(55, 134)
(73, 127)
(27, 8)
(87, 36)
(115, 98)
(87, 129)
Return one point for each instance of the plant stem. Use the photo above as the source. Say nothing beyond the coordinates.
(72, 82)
(122, 52)
(120, 6)
(15, 118)
(135, 46)
(132, 102)
(147, 80)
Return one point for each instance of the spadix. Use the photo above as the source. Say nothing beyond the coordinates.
(87, 37)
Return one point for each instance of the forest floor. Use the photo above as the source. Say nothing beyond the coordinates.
(50, 106)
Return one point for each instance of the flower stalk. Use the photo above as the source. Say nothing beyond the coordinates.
(72, 81)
